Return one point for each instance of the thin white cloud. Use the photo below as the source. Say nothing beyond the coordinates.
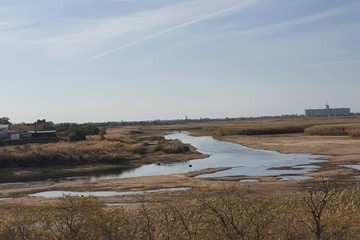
(75, 37)
(168, 30)
(97, 33)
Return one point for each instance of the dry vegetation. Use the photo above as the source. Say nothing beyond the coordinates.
(318, 127)
(352, 130)
(118, 148)
(206, 212)
(229, 213)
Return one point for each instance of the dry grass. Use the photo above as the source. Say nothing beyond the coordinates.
(120, 146)
(63, 153)
(227, 213)
(257, 126)
(334, 130)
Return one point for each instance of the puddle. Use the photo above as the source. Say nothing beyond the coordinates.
(249, 180)
(116, 204)
(56, 194)
(5, 199)
(293, 178)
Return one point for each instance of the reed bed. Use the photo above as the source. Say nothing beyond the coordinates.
(351, 130)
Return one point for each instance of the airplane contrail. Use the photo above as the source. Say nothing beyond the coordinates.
(154, 35)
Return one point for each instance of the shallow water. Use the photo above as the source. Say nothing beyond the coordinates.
(294, 178)
(116, 204)
(249, 180)
(56, 194)
(246, 161)
(241, 160)
(353, 166)
(5, 199)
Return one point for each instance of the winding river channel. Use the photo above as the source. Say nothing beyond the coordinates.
(239, 161)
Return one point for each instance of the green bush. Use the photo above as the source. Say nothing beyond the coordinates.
(102, 133)
(76, 133)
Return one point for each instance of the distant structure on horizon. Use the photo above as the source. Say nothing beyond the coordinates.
(327, 112)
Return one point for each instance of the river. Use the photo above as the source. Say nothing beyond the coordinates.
(241, 161)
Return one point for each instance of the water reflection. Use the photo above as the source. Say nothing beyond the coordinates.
(246, 161)
(242, 161)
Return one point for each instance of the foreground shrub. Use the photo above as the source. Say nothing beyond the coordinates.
(74, 218)
(229, 213)
(23, 222)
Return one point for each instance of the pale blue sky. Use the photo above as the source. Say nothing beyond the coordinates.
(113, 60)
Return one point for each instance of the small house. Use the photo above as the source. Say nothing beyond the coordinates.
(43, 134)
(14, 136)
(25, 135)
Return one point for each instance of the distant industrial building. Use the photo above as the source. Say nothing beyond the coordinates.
(327, 112)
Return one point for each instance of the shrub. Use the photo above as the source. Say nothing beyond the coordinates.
(356, 134)
(259, 131)
(172, 146)
(326, 130)
(151, 138)
(226, 213)
(76, 133)
(136, 149)
(102, 133)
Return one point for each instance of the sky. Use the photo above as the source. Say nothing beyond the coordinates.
(125, 60)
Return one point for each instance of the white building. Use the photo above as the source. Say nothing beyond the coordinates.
(327, 112)
(4, 131)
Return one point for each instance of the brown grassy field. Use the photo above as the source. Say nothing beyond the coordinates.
(269, 209)
(224, 212)
(341, 150)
